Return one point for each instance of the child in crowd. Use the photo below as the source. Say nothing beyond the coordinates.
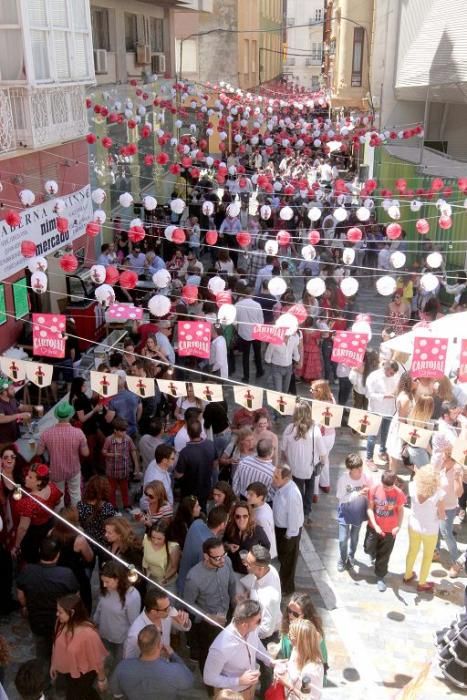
(256, 495)
(120, 453)
(352, 490)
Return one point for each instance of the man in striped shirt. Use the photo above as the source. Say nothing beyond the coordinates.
(255, 468)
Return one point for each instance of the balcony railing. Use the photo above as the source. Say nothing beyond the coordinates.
(37, 117)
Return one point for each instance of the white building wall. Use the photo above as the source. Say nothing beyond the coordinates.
(305, 43)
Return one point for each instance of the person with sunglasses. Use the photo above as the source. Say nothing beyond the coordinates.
(210, 586)
(301, 607)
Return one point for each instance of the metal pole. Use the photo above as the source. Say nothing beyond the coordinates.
(425, 125)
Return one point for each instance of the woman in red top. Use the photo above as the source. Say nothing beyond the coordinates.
(35, 522)
(312, 364)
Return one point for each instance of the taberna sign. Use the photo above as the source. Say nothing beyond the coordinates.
(39, 224)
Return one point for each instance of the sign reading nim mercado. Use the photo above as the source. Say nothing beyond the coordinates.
(39, 224)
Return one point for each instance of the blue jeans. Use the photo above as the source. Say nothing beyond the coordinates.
(347, 532)
(280, 378)
(306, 488)
(445, 531)
(371, 442)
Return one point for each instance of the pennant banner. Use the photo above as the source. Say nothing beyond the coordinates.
(104, 383)
(349, 348)
(283, 403)
(459, 452)
(363, 422)
(463, 361)
(269, 334)
(208, 392)
(416, 437)
(48, 335)
(13, 369)
(429, 357)
(194, 339)
(39, 374)
(124, 312)
(327, 414)
(141, 386)
(248, 397)
(172, 388)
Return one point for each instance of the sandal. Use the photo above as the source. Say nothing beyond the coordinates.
(411, 578)
(426, 587)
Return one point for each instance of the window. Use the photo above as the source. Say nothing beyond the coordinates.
(318, 15)
(156, 33)
(254, 55)
(131, 32)
(100, 28)
(246, 56)
(357, 57)
(11, 45)
(60, 39)
(189, 56)
(316, 51)
(315, 83)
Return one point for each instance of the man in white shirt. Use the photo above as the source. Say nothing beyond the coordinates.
(232, 658)
(256, 495)
(249, 312)
(281, 358)
(287, 508)
(381, 388)
(162, 337)
(218, 354)
(159, 470)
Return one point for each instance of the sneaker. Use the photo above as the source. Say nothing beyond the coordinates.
(381, 585)
(351, 561)
(340, 566)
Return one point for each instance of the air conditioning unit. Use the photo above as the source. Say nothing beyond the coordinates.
(100, 61)
(158, 63)
(143, 53)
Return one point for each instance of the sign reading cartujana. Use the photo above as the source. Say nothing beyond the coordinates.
(38, 224)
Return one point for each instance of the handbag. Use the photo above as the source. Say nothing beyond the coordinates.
(276, 691)
(318, 467)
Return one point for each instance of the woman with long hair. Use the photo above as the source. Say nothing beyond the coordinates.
(159, 506)
(419, 417)
(78, 652)
(161, 558)
(358, 377)
(305, 666)
(404, 404)
(188, 510)
(312, 363)
(87, 418)
(426, 512)
(303, 448)
(321, 391)
(223, 495)
(13, 468)
(118, 607)
(95, 508)
(443, 391)
(241, 534)
(300, 607)
(242, 444)
(399, 313)
(262, 429)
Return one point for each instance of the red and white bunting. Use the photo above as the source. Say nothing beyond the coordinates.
(249, 397)
(329, 415)
(141, 386)
(104, 383)
(363, 422)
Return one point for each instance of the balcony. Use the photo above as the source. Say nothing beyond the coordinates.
(37, 117)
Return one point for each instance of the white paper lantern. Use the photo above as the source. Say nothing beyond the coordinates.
(340, 214)
(135, 222)
(27, 197)
(289, 322)
(159, 305)
(233, 209)
(177, 205)
(429, 282)
(316, 286)
(97, 273)
(369, 203)
(415, 205)
(349, 286)
(434, 260)
(126, 200)
(162, 278)
(51, 187)
(39, 282)
(178, 124)
(232, 170)
(265, 212)
(314, 214)
(98, 195)
(394, 212)
(105, 295)
(386, 285)
(277, 286)
(397, 259)
(386, 203)
(277, 186)
(149, 203)
(209, 161)
(271, 247)
(309, 252)
(362, 327)
(37, 265)
(286, 213)
(100, 216)
(348, 256)
(216, 284)
(363, 214)
(208, 208)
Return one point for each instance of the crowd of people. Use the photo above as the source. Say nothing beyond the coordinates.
(208, 500)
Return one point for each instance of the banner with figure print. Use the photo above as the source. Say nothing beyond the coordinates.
(13, 369)
(104, 383)
(141, 386)
(363, 422)
(414, 436)
(429, 357)
(39, 373)
(208, 392)
(282, 403)
(194, 339)
(329, 415)
(249, 397)
(48, 335)
(349, 348)
(172, 388)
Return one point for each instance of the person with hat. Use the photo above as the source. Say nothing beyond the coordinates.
(65, 446)
(12, 412)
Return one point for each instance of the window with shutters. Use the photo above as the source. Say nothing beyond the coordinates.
(357, 57)
(131, 31)
(60, 40)
(11, 43)
(100, 28)
(156, 34)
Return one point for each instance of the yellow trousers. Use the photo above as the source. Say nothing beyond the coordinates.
(428, 543)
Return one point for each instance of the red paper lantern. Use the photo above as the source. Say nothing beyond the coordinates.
(422, 226)
(393, 231)
(93, 229)
(175, 169)
(178, 236)
(299, 311)
(12, 218)
(223, 298)
(162, 158)
(283, 238)
(107, 142)
(91, 138)
(462, 184)
(28, 249)
(445, 222)
(243, 239)
(128, 279)
(111, 275)
(314, 237)
(437, 184)
(354, 234)
(211, 237)
(62, 224)
(187, 162)
(189, 293)
(69, 263)
(136, 234)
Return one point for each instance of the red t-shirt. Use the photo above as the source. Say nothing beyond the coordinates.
(386, 506)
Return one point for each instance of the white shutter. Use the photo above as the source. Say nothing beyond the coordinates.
(37, 13)
(8, 12)
(58, 13)
(80, 19)
(40, 56)
(80, 57)
(140, 30)
(62, 62)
